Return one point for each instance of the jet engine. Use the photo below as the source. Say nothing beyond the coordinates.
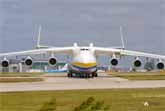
(137, 62)
(160, 65)
(28, 61)
(114, 61)
(52, 61)
(5, 62)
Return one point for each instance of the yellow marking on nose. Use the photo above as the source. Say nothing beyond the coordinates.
(80, 64)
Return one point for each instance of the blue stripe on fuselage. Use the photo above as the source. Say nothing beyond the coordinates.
(83, 69)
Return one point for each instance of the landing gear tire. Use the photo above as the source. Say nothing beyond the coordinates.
(87, 75)
(70, 74)
(94, 75)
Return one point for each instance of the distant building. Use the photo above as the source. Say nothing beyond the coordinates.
(42, 66)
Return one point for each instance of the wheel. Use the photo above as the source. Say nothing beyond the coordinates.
(94, 75)
(87, 75)
(91, 75)
(70, 74)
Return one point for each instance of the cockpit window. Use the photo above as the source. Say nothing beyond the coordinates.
(84, 49)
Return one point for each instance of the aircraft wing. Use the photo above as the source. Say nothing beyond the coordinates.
(122, 52)
(54, 50)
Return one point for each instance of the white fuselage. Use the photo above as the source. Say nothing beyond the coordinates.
(83, 61)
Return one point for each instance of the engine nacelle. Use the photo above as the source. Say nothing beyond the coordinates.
(160, 65)
(137, 62)
(5, 62)
(52, 61)
(114, 61)
(28, 61)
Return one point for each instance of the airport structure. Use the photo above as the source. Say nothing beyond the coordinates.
(37, 66)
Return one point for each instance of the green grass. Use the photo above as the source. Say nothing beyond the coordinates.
(113, 100)
(91, 105)
(11, 80)
(49, 106)
(19, 74)
(140, 75)
(14, 77)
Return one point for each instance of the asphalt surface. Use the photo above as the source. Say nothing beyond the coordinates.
(62, 82)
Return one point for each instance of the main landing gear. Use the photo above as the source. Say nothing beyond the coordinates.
(70, 74)
(95, 75)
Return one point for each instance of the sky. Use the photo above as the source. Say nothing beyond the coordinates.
(83, 21)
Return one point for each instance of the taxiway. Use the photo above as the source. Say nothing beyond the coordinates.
(62, 82)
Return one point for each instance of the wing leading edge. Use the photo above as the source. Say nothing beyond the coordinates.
(122, 52)
(54, 50)
(97, 50)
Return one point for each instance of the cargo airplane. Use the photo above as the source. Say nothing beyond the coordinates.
(83, 57)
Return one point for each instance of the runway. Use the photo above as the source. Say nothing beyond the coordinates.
(61, 82)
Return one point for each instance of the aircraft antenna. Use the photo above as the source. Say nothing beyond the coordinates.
(122, 37)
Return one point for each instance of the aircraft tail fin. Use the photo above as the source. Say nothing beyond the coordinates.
(39, 36)
(38, 45)
(122, 37)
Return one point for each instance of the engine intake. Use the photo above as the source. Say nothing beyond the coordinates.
(52, 61)
(160, 65)
(5, 63)
(114, 62)
(28, 61)
(137, 63)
